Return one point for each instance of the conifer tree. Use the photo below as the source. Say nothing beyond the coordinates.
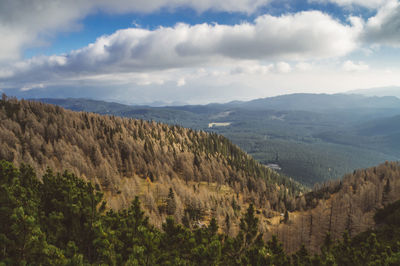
(171, 203)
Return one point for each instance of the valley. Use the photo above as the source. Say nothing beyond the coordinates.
(313, 137)
(200, 180)
(204, 133)
(127, 157)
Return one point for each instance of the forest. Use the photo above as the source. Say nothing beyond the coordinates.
(347, 205)
(126, 157)
(60, 219)
(312, 137)
(190, 132)
(187, 181)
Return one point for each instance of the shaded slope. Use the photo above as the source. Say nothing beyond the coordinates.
(378, 134)
(323, 102)
(207, 173)
(348, 205)
(303, 130)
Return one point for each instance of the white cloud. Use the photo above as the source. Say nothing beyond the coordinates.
(306, 35)
(33, 86)
(122, 6)
(214, 84)
(350, 66)
(364, 3)
(27, 23)
(181, 82)
(303, 66)
(384, 27)
(21, 22)
(5, 73)
(301, 35)
(251, 68)
(135, 24)
(208, 61)
(283, 67)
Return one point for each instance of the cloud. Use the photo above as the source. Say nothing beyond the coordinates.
(384, 27)
(251, 68)
(350, 66)
(283, 67)
(364, 3)
(303, 66)
(301, 36)
(33, 86)
(213, 84)
(122, 6)
(22, 21)
(27, 23)
(181, 82)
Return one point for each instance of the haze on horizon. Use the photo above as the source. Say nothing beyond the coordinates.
(197, 51)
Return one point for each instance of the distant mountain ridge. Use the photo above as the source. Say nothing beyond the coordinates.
(362, 106)
(382, 91)
(297, 101)
(125, 158)
(191, 175)
(319, 102)
(383, 126)
(83, 104)
(312, 137)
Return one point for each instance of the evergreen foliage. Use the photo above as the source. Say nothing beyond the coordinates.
(310, 142)
(116, 154)
(61, 220)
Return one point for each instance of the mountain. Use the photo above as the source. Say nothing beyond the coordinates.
(383, 91)
(379, 134)
(162, 114)
(198, 179)
(208, 175)
(291, 102)
(383, 126)
(88, 105)
(301, 133)
(344, 206)
(62, 220)
(321, 102)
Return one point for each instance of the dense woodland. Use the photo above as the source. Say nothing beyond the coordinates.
(346, 205)
(62, 220)
(187, 181)
(189, 174)
(313, 137)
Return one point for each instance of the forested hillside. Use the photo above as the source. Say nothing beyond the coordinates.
(312, 137)
(334, 208)
(61, 220)
(191, 175)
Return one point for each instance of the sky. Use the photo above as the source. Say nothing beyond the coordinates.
(196, 52)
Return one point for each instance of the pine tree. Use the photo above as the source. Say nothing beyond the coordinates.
(301, 257)
(386, 192)
(277, 254)
(227, 224)
(171, 203)
(249, 225)
(286, 217)
(212, 227)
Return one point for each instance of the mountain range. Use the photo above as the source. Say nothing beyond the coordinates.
(311, 137)
(199, 179)
(383, 91)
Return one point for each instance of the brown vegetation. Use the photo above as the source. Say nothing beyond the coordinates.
(345, 205)
(189, 174)
(208, 175)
